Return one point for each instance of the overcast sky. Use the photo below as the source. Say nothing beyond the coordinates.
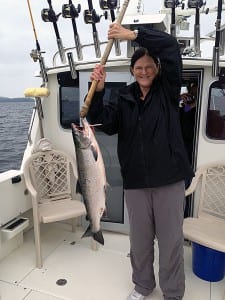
(17, 69)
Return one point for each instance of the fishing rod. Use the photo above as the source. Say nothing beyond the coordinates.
(70, 11)
(216, 48)
(196, 4)
(91, 17)
(173, 4)
(87, 103)
(49, 15)
(111, 5)
(36, 54)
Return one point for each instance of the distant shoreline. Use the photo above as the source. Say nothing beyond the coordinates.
(5, 99)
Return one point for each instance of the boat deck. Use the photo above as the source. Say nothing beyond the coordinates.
(85, 274)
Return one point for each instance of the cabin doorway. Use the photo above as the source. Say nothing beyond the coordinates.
(189, 107)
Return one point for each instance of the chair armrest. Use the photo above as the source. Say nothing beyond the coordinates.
(28, 183)
(194, 183)
(32, 191)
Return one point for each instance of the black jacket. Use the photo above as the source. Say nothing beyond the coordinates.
(150, 145)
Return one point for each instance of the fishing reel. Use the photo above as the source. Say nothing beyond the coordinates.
(35, 54)
(91, 17)
(70, 11)
(108, 4)
(171, 3)
(195, 3)
(48, 15)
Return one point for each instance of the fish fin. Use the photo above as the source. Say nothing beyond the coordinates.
(97, 236)
(87, 232)
(78, 188)
(94, 152)
(105, 214)
(107, 188)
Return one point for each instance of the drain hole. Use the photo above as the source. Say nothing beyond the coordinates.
(61, 282)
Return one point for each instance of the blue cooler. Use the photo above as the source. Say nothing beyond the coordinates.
(208, 264)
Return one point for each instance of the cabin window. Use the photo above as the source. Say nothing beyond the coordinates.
(69, 96)
(215, 123)
(108, 146)
(69, 106)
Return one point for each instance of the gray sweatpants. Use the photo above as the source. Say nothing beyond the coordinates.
(157, 212)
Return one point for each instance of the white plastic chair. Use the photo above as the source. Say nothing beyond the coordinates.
(208, 227)
(48, 177)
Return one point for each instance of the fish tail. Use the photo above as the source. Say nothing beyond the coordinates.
(97, 236)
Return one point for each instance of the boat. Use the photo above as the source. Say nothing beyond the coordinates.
(71, 268)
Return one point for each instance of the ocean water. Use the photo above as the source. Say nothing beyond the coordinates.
(14, 123)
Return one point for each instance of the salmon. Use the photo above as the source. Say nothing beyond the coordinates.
(92, 182)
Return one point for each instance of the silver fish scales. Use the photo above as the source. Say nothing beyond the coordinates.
(91, 177)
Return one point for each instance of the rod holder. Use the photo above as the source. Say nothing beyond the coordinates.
(215, 65)
(72, 65)
(61, 51)
(96, 44)
(197, 40)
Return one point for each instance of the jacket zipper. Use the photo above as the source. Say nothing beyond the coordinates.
(142, 148)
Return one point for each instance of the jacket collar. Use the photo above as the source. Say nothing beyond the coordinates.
(132, 92)
(128, 92)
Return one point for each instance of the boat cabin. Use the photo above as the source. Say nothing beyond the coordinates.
(67, 83)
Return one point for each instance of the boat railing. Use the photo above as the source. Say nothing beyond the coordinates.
(57, 54)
